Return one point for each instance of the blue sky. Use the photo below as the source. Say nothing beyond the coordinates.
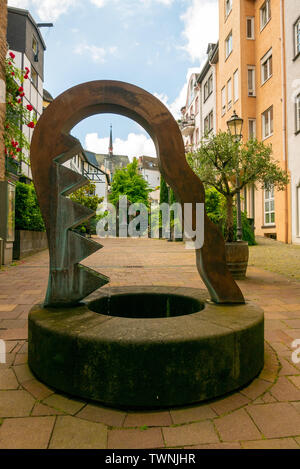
(154, 44)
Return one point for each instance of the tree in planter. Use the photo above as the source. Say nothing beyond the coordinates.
(86, 196)
(221, 158)
(27, 212)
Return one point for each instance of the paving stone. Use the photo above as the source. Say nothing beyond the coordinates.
(150, 419)
(135, 439)
(192, 414)
(229, 404)
(73, 433)
(296, 381)
(234, 445)
(287, 368)
(256, 388)
(268, 398)
(69, 406)
(276, 420)
(14, 334)
(8, 379)
(284, 390)
(23, 373)
(298, 440)
(26, 433)
(191, 434)
(37, 389)
(15, 403)
(111, 417)
(42, 409)
(7, 307)
(276, 443)
(21, 359)
(237, 426)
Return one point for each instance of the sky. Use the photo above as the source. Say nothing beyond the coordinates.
(154, 44)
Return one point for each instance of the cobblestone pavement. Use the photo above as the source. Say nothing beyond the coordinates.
(266, 414)
(276, 257)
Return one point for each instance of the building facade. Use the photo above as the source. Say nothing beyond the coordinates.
(3, 51)
(149, 169)
(292, 67)
(26, 42)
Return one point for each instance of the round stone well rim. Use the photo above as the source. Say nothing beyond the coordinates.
(155, 362)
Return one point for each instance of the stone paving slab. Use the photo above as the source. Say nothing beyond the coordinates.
(265, 414)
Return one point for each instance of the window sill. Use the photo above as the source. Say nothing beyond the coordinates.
(251, 95)
(262, 84)
(226, 58)
(296, 56)
(265, 25)
(228, 14)
(265, 227)
(268, 136)
(297, 132)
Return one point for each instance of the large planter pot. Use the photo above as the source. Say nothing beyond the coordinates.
(29, 242)
(237, 255)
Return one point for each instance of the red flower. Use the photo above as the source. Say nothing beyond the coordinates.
(18, 149)
(27, 69)
(31, 125)
(7, 126)
(13, 74)
(25, 76)
(21, 88)
(9, 63)
(29, 107)
(12, 55)
(19, 100)
(22, 94)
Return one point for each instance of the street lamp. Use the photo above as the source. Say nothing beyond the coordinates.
(235, 126)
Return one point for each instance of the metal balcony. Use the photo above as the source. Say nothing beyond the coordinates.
(187, 126)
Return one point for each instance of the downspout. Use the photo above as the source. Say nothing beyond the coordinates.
(284, 116)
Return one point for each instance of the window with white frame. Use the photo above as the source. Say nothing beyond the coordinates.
(236, 86)
(297, 37)
(34, 77)
(267, 123)
(298, 113)
(228, 7)
(269, 206)
(209, 122)
(229, 94)
(228, 45)
(208, 88)
(223, 100)
(266, 67)
(251, 129)
(251, 80)
(265, 13)
(250, 27)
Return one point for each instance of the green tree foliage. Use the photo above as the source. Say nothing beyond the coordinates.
(221, 158)
(28, 215)
(163, 194)
(129, 182)
(86, 196)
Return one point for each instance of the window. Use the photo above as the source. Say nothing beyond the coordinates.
(228, 45)
(34, 77)
(197, 105)
(298, 113)
(208, 88)
(223, 100)
(251, 80)
(251, 129)
(236, 86)
(267, 123)
(250, 27)
(228, 7)
(229, 94)
(269, 206)
(34, 45)
(265, 14)
(297, 37)
(209, 122)
(266, 67)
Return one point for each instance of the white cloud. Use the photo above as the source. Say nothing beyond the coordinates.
(201, 26)
(47, 10)
(99, 3)
(134, 145)
(98, 54)
(175, 106)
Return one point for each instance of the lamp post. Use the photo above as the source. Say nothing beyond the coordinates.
(235, 126)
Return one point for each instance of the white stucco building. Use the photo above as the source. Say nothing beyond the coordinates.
(292, 57)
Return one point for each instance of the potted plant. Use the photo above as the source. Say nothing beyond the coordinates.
(224, 162)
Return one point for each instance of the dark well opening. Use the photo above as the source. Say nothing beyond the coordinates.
(146, 305)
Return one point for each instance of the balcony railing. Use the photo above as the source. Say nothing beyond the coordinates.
(187, 126)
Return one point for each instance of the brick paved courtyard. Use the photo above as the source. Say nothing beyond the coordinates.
(266, 414)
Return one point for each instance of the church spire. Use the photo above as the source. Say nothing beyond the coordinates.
(110, 147)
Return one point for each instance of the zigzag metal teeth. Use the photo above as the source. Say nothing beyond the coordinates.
(70, 281)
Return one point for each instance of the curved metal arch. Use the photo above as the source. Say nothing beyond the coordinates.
(52, 144)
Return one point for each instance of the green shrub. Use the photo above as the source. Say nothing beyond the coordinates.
(27, 212)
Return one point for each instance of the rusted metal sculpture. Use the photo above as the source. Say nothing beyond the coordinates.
(52, 145)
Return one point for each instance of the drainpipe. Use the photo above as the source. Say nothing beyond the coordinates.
(284, 115)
